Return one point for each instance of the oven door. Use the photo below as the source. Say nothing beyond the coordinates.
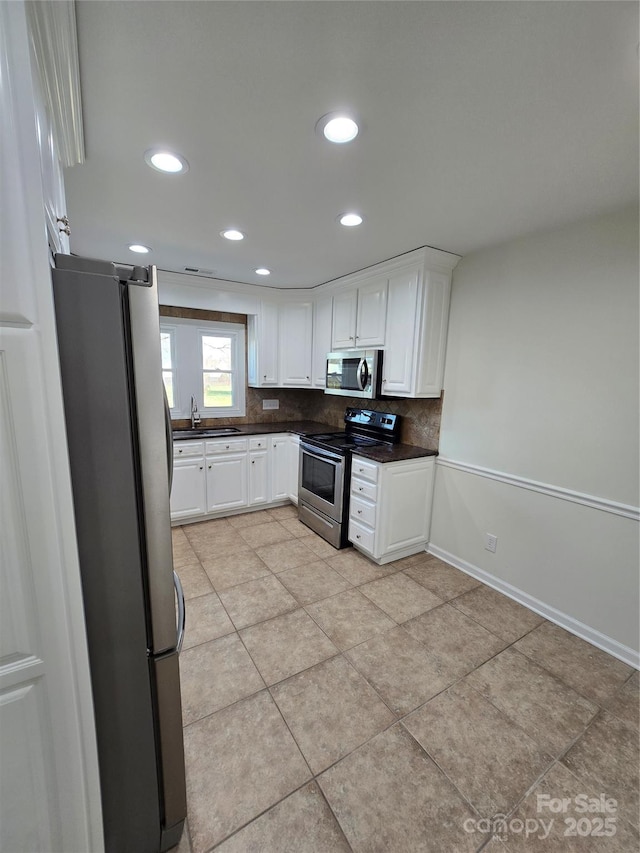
(321, 480)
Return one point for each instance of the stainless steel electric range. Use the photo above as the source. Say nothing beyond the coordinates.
(325, 470)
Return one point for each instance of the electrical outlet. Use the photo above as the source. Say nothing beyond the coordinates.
(270, 404)
(490, 542)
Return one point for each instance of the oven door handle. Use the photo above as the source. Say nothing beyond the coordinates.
(363, 374)
(320, 455)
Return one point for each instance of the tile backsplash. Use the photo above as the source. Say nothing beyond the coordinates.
(420, 425)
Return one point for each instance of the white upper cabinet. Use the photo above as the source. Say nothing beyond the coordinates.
(398, 368)
(345, 312)
(359, 315)
(296, 325)
(322, 313)
(372, 314)
(418, 314)
(262, 330)
(400, 306)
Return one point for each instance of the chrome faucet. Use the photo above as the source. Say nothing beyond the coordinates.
(195, 414)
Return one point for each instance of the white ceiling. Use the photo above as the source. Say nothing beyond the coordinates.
(480, 122)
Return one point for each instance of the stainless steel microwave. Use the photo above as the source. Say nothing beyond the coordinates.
(354, 373)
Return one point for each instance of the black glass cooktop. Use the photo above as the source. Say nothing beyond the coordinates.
(342, 441)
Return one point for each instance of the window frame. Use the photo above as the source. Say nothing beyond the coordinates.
(166, 329)
(189, 370)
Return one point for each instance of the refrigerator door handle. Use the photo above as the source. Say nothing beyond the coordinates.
(169, 434)
(182, 617)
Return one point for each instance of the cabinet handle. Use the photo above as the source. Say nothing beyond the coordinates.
(350, 337)
(357, 535)
(209, 467)
(265, 376)
(227, 446)
(253, 461)
(179, 451)
(359, 512)
(359, 488)
(201, 467)
(308, 378)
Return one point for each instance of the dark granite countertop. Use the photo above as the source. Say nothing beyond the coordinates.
(386, 453)
(394, 452)
(295, 427)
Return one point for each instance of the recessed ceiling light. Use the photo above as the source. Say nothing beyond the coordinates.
(232, 234)
(138, 247)
(350, 219)
(263, 271)
(337, 127)
(166, 161)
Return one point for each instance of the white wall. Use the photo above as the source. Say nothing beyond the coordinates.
(542, 384)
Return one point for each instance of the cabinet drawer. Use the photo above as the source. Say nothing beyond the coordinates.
(260, 443)
(361, 535)
(184, 449)
(362, 511)
(227, 445)
(364, 470)
(363, 489)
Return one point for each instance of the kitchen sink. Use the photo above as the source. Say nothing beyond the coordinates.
(204, 432)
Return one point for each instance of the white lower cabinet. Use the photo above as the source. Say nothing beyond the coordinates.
(258, 478)
(188, 490)
(217, 477)
(293, 467)
(390, 507)
(279, 467)
(226, 481)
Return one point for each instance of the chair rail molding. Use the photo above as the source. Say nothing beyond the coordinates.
(604, 504)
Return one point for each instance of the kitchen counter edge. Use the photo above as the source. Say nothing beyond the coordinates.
(390, 453)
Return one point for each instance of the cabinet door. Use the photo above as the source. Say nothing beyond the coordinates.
(372, 314)
(226, 481)
(263, 346)
(344, 320)
(258, 478)
(433, 337)
(279, 468)
(405, 505)
(398, 369)
(322, 311)
(293, 447)
(188, 495)
(295, 338)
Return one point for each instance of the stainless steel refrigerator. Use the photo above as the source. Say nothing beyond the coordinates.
(119, 437)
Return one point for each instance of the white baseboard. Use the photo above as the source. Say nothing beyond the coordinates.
(602, 641)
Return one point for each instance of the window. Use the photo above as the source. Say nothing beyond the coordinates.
(168, 362)
(205, 360)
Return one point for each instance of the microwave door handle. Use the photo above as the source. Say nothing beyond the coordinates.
(363, 374)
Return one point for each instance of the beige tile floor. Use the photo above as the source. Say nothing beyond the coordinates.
(334, 705)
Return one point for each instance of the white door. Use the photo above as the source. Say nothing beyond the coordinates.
(344, 320)
(279, 468)
(226, 481)
(322, 310)
(293, 448)
(258, 478)
(188, 490)
(401, 340)
(48, 768)
(295, 338)
(372, 314)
